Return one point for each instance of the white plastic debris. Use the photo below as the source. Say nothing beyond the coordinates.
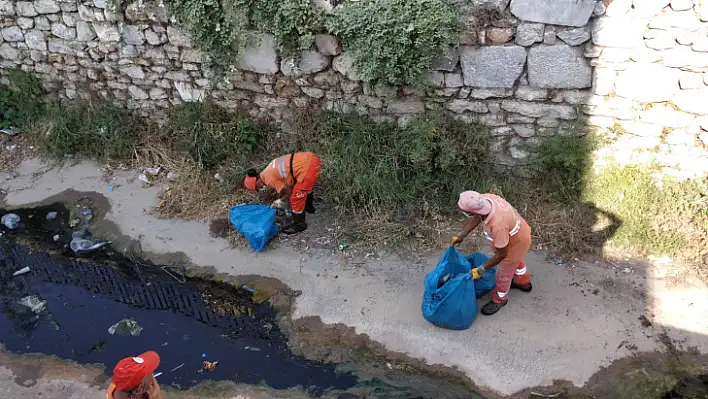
(10, 220)
(172, 176)
(21, 272)
(126, 327)
(51, 215)
(34, 303)
(153, 171)
(84, 245)
(143, 178)
(219, 177)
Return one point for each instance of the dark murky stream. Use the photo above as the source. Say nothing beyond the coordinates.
(77, 300)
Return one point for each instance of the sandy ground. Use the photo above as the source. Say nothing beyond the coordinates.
(579, 318)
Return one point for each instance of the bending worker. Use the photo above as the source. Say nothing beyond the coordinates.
(292, 176)
(133, 379)
(510, 237)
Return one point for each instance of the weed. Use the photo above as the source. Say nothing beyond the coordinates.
(20, 102)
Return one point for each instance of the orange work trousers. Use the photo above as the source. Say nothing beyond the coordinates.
(302, 188)
(513, 266)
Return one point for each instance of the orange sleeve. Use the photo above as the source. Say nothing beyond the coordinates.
(500, 237)
(110, 390)
(271, 179)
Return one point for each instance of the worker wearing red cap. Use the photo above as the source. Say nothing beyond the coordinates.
(133, 379)
(510, 237)
(292, 176)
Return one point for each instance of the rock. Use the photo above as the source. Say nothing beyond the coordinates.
(681, 5)
(527, 93)
(618, 8)
(492, 66)
(460, 106)
(435, 79)
(649, 8)
(193, 56)
(642, 129)
(499, 35)
(309, 62)
(701, 8)
(85, 14)
(498, 5)
(663, 115)
(548, 122)
(693, 101)
(155, 39)
(133, 72)
(25, 9)
(8, 52)
(261, 58)
(549, 35)
(528, 33)
(180, 76)
(344, 64)
(538, 110)
(13, 34)
(647, 83)
(84, 31)
(313, 92)
(190, 94)
(106, 32)
(684, 19)
(555, 12)
(575, 36)
(483, 94)
(99, 3)
(133, 35)
(662, 41)
(454, 80)
(61, 46)
(558, 67)
(406, 106)
(600, 9)
(625, 32)
(35, 40)
(524, 131)
(46, 7)
(63, 32)
(328, 45)
(690, 80)
(682, 57)
(286, 88)
(447, 61)
(269, 102)
(518, 149)
(157, 93)
(179, 38)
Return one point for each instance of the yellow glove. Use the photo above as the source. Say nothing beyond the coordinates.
(477, 272)
(456, 240)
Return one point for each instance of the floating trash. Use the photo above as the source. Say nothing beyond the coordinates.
(126, 327)
(10, 220)
(35, 304)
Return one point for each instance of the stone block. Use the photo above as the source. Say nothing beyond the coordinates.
(63, 32)
(47, 7)
(8, 52)
(492, 66)
(691, 80)
(498, 5)
(685, 20)
(35, 40)
(133, 35)
(603, 81)
(549, 35)
(307, 63)
(693, 101)
(328, 45)
(558, 67)
(344, 64)
(649, 8)
(313, 92)
(625, 32)
(575, 36)
(406, 106)
(499, 35)
(13, 34)
(555, 12)
(684, 58)
(133, 72)
(528, 33)
(539, 110)
(178, 38)
(261, 58)
(461, 106)
(618, 8)
(483, 94)
(193, 56)
(701, 8)
(137, 93)
(106, 32)
(664, 115)
(25, 23)
(647, 83)
(447, 61)
(454, 80)
(85, 13)
(188, 93)
(24, 9)
(527, 93)
(524, 131)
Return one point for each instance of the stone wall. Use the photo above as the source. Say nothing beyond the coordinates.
(525, 68)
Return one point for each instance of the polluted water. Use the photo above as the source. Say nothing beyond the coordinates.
(101, 306)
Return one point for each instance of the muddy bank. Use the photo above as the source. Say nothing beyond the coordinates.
(84, 296)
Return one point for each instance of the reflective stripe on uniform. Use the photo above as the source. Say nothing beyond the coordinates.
(281, 167)
(512, 233)
(501, 295)
(521, 272)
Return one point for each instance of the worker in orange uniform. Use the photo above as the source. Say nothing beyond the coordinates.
(292, 176)
(510, 237)
(133, 379)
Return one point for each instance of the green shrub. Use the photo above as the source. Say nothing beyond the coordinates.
(396, 40)
(21, 103)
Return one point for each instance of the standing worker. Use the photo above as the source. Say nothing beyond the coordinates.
(133, 379)
(510, 237)
(292, 176)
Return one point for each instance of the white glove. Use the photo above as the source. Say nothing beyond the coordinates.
(278, 204)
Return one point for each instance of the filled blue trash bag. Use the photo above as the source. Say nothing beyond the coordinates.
(256, 223)
(485, 283)
(449, 300)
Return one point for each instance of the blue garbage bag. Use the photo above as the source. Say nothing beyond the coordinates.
(449, 300)
(485, 283)
(256, 223)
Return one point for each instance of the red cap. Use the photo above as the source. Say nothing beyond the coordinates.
(250, 182)
(131, 371)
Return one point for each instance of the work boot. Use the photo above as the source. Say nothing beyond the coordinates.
(310, 203)
(492, 307)
(298, 224)
(523, 287)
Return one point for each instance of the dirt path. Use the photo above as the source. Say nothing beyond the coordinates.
(579, 318)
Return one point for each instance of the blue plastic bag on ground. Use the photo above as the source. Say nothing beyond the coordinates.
(256, 223)
(449, 300)
(485, 283)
